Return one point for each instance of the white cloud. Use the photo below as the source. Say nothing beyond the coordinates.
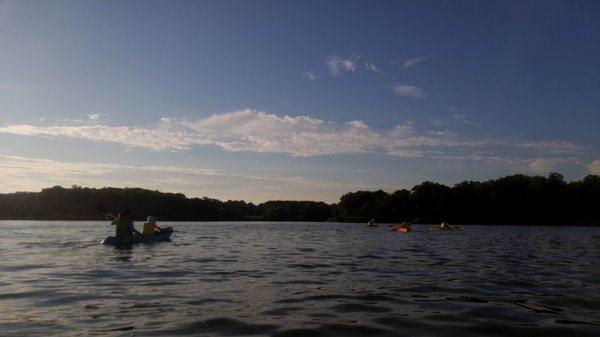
(357, 124)
(373, 67)
(20, 165)
(311, 75)
(409, 90)
(93, 116)
(411, 62)
(594, 167)
(135, 137)
(337, 64)
(406, 153)
(257, 131)
(551, 146)
(458, 114)
(300, 136)
(404, 129)
(33, 174)
(547, 165)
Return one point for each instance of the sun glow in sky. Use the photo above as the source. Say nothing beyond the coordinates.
(261, 100)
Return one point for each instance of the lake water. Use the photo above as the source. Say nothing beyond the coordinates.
(299, 279)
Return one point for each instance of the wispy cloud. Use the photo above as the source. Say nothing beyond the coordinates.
(311, 75)
(458, 114)
(337, 65)
(93, 116)
(409, 90)
(128, 136)
(302, 136)
(31, 174)
(372, 67)
(18, 164)
(411, 62)
(547, 165)
(594, 167)
(535, 165)
(555, 147)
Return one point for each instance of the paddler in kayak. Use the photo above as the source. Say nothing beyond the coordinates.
(371, 223)
(405, 226)
(150, 227)
(444, 226)
(124, 230)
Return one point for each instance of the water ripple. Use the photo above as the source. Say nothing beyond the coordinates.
(300, 279)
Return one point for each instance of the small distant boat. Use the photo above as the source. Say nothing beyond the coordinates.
(402, 228)
(448, 228)
(163, 235)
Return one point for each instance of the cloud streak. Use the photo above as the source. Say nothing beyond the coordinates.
(372, 67)
(337, 65)
(411, 62)
(311, 75)
(409, 90)
(299, 136)
(123, 135)
(594, 167)
(31, 174)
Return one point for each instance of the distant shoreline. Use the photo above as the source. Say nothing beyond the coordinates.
(510, 200)
(383, 224)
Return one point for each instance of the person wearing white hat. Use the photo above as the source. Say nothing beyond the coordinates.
(150, 226)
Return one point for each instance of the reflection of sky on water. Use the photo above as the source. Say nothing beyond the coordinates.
(299, 279)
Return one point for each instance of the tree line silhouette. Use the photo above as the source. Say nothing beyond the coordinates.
(511, 200)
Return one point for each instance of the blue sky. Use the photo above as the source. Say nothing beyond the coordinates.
(261, 100)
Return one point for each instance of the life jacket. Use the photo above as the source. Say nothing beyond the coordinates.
(148, 228)
(123, 230)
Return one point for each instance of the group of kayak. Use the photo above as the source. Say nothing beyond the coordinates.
(406, 227)
(126, 234)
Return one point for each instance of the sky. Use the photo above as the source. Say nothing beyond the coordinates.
(295, 100)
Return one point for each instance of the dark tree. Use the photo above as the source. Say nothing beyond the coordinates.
(516, 199)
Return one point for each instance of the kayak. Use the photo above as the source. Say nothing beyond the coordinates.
(401, 229)
(163, 235)
(450, 229)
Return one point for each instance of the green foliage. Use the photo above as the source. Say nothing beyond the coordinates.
(78, 203)
(516, 199)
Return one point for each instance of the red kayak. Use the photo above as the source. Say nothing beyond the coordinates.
(400, 229)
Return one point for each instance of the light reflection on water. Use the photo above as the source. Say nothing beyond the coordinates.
(300, 279)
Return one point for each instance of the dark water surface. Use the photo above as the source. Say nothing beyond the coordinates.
(299, 279)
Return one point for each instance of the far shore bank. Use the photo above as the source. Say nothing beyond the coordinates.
(511, 200)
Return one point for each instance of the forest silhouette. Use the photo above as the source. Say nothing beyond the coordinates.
(511, 200)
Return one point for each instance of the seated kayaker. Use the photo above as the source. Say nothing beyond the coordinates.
(150, 226)
(124, 226)
(444, 226)
(406, 225)
(371, 223)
